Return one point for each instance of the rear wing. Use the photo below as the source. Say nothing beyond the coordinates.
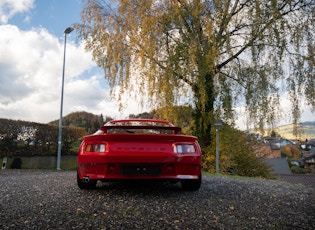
(140, 129)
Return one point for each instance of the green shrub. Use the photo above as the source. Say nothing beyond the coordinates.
(297, 170)
(237, 156)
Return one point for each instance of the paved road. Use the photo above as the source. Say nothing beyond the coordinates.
(307, 179)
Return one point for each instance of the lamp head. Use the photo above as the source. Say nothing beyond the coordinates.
(68, 30)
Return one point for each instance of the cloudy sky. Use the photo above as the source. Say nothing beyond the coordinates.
(31, 59)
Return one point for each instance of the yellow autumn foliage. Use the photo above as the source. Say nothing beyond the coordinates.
(237, 155)
(290, 151)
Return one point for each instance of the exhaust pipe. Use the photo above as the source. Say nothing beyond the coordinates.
(86, 179)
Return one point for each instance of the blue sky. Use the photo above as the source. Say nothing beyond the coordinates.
(53, 15)
(31, 57)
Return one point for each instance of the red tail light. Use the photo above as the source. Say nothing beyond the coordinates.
(101, 148)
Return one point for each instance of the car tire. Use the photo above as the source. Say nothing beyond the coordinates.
(86, 185)
(191, 184)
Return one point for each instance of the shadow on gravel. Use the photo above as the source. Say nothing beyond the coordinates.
(141, 187)
(210, 186)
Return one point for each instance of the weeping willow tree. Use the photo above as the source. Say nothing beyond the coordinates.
(216, 54)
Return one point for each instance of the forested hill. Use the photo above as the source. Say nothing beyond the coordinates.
(89, 121)
(306, 130)
(181, 116)
(308, 123)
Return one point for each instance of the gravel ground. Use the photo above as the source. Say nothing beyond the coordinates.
(52, 200)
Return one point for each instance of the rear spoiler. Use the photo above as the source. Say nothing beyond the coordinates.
(176, 130)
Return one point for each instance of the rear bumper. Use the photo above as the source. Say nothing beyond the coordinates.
(138, 166)
(139, 171)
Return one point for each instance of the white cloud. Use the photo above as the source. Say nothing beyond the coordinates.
(31, 73)
(8, 8)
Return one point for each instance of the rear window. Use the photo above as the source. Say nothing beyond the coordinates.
(137, 123)
(138, 126)
(139, 131)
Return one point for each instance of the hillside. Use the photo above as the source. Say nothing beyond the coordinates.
(306, 130)
(90, 122)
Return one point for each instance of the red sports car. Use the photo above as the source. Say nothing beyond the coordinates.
(139, 149)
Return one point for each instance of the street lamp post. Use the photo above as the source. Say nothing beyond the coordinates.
(67, 31)
(217, 125)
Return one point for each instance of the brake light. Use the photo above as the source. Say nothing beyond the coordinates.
(184, 148)
(100, 148)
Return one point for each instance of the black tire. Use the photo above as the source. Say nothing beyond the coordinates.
(191, 184)
(86, 185)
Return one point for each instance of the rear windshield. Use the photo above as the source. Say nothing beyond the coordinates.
(139, 127)
(140, 131)
(137, 123)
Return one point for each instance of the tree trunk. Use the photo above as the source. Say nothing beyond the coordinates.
(204, 101)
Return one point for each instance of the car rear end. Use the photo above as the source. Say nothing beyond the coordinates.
(129, 155)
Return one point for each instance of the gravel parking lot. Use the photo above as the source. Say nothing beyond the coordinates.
(52, 200)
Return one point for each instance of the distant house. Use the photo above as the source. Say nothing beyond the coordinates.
(309, 158)
(263, 151)
(272, 147)
(268, 151)
(308, 145)
(275, 147)
(311, 142)
(284, 142)
(271, 152)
